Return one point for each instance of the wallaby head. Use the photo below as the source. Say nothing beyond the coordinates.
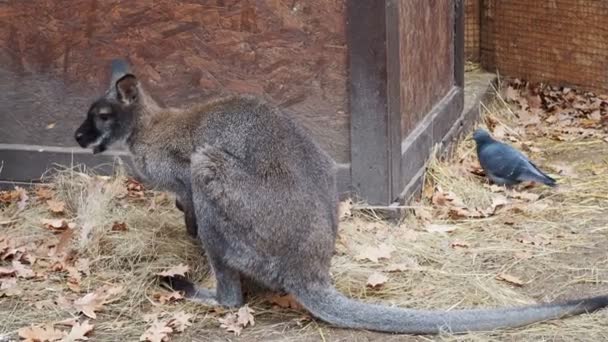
(110, 118)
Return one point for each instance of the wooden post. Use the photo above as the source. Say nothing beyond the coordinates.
(374, 95)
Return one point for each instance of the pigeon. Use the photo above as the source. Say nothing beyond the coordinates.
(505, 165)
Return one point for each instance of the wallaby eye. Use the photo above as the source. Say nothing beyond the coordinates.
(105, 113)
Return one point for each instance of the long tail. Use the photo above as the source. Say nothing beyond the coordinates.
(535, 174)
(331, 306)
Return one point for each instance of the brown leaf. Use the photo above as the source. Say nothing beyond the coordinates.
(373, 254)
(376, 280)
(235, 322)
(56, 207)
(287, 301)
(22, 270)
(94, 301)
(55, 224)
(167, 297)
(157, 332)
(179, 270)
(459, 244)
(79, 332)
(88, 304)
(9, 288)
(64, 240)
(180, 321)
(119, 227)
(510, 279)
(44, 193)
(511, 94)
(40, 334)
(7, 271)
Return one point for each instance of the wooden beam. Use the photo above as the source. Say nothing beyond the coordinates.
(372, 113)
(459, 56)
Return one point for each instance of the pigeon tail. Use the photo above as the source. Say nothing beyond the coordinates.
(536, 175)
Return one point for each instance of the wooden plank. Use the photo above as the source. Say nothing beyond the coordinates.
(416, 148)
(394, 105)
(370, 142)
(459, 55)
(24, 164)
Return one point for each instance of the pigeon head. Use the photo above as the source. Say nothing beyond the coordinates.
(481, 136)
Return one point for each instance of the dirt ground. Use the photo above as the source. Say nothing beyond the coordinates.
(465, 244)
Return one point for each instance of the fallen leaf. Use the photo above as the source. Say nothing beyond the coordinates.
(180, 321)
(56, 207)
(179, 270)
(235, 322)
(40, 334)
(119, 227)
(55, 224)
(440, 228)
(376, 280)
(287, 302)
(9, 288)
(83, 265)
(22, 270)
(511, 94)
(157, 332)
(44, 193)
(526, 196)
(64, 240)
(374, 254)
(79, 332)
(510, 279)
(7, 271)
(88, 304)
(167, 297)
(94, 301)
(459, 243)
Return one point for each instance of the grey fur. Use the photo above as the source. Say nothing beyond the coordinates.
(265, 200)
(505, 165)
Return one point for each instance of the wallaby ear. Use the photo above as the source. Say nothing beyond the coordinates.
(126, 89)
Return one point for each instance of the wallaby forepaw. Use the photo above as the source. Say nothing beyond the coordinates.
(207, 163)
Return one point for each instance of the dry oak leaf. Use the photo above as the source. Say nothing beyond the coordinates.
(374, 254)
(44, 193)
(167, 297)
(40, 334)
(235, 322)
(54, 224)
(510, 279)
(9, 288)
(157, 332)
(94, 301)
(22, 270)
(7, 271)
(179, 270)
(286, 302)
(56, 207)
(119, 227)
(180, 321)
(79, 332)
(376, 280)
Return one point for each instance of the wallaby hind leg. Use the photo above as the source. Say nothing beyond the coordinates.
(228, 288)
(186, 206)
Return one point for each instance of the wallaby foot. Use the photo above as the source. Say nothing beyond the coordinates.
(192, 292)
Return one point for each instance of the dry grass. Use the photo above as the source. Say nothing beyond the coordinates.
(568, 257)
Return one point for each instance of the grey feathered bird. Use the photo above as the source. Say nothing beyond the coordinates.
(505, 165)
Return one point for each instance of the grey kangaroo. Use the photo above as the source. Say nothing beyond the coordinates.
(264, 198)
